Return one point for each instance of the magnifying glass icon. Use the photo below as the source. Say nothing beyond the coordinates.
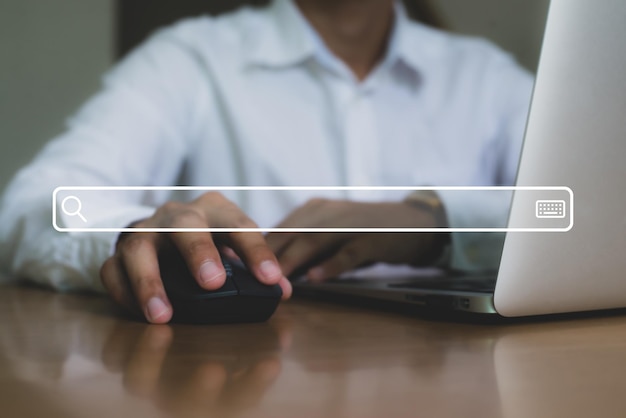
(75, 212)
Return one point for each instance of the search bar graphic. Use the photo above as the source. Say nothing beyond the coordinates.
(67, 202)
(536, 209)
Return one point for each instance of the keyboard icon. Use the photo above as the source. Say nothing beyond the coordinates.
(550, 209)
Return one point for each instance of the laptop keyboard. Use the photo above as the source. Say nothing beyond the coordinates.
(482, 284)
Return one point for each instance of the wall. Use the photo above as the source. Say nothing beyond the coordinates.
(516, 25)
(52, 54)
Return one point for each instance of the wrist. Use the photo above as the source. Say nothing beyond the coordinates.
(429, 202)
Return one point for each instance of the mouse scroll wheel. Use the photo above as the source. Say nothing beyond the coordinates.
(228, 268)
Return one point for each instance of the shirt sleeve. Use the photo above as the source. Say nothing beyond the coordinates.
(134, 132)
(509, 95)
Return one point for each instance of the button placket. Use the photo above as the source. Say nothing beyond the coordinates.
(361, 144)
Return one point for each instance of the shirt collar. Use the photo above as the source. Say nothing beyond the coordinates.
(283, 38)
(416, 45)
(286, 38)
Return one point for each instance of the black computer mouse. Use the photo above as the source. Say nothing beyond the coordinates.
(242, 298)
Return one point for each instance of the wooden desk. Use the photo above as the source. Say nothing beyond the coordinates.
(75, 356)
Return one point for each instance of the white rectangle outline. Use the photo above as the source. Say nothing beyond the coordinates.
(549, 217)
(311, 188)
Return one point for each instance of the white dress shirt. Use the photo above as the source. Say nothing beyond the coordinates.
(255, 98)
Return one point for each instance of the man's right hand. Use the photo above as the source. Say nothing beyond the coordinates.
(132, 274)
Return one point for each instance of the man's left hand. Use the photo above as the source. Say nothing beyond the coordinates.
(326, 255)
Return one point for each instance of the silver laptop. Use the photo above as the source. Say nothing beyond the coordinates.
(575, 137)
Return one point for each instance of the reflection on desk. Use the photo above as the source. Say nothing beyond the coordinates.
(76, 356)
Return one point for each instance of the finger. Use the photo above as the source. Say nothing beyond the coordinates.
(353, 254)
(202, 258)
(305, 216)
(251, 247)
(305, 249)
(144, 366)
(278, 241)
(116, 282)
(198, 249)
(286, 287)
(229, 253)
(139, 258)
(257, 255)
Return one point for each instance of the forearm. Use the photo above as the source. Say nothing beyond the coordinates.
(30, 248)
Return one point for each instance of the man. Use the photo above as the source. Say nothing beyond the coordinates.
(303, 92)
